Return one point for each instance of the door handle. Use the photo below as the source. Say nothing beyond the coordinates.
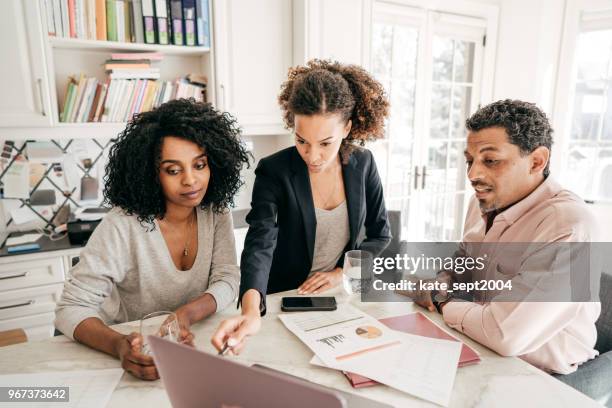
(28, 303)
(19, 275)
(424, 177)
(416, 177)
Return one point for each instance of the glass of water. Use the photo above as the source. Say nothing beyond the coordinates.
(162, 324)
(357, 271)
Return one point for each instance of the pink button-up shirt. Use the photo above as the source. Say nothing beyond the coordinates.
(555, 337)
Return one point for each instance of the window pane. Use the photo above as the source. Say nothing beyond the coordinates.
(440, 101)
(462, 99)
(405, 53)
(457, 167)
(442, 59)
(402, 110)
(380, 151)
(400, 166)
(381, 46)
(434, 217)
(603, 174)
(453, 216)
(593, 54)
(464, 61)
(606, 134)
(588, 109)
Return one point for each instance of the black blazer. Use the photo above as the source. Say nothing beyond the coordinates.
(279, 245)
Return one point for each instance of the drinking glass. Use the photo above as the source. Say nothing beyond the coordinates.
(162, 324)
(357, 271)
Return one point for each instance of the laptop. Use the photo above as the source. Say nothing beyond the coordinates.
(193, 378)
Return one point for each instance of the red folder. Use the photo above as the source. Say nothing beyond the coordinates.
(418, 324)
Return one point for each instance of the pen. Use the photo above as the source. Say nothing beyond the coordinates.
(227, 347)
(224, 350)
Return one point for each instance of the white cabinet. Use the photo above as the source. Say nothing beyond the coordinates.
(30, 287)
(253, 50)
(24, 99)
(332, 29)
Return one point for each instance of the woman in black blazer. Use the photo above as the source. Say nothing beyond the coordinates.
(311, 201)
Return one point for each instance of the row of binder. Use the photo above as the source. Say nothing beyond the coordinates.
(178, 22)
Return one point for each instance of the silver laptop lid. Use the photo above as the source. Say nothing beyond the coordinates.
(193, 378)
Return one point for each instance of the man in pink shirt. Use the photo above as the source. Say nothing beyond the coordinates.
(517, 201)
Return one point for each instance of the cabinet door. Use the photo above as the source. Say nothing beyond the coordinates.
(332, 29)
(24, 96)
(253, 50)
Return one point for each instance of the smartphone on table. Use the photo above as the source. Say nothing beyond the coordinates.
(307, 304)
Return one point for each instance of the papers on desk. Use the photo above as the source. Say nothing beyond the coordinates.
(23, 239)
(420, 366)
(87, 389)
(340, 335)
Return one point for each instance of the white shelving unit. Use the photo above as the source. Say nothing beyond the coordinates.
(44, 64)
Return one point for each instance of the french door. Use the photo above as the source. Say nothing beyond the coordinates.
(430, 64)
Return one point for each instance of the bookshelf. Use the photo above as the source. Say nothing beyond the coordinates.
(115, 46)
(250, 52)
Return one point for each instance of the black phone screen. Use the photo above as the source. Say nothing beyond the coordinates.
(309, 302)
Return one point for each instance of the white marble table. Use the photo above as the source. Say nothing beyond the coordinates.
(494, 382)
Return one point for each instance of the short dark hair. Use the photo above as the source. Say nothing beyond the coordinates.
(526, 125)
(327, 87)
(132, 172)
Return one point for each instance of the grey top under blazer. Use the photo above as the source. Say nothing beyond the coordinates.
(279, 245)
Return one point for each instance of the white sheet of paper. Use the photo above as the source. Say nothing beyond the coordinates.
(420, 366)
(341, 334)
(44, 152)
(22, 239)
(16, 180)
(88, 388)
(23, 215)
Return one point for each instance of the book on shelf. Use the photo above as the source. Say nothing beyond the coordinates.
(137, 22)
(126, 56)
(130, 64)
(202, 23)
(189, 22)
(100, 20)
(178, 22)
(87, 99)
(161, 21)
(148, 22)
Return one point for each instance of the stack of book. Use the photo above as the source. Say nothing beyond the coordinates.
(118, 99)
(133, 65)
(178, 22)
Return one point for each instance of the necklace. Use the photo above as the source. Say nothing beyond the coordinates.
(333, 192)
(186, 248)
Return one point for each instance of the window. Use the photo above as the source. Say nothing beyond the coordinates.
(430, 64)
(589, 152)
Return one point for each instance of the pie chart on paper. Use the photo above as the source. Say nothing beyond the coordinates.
(368, 332)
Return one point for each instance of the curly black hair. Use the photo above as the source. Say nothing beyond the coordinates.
(132, 172)
(526, 125)
(324, 86)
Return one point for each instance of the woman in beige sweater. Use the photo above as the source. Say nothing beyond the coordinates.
(168, 243)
